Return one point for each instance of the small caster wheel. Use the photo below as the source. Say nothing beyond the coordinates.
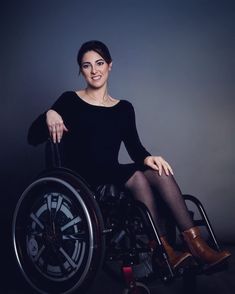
(140, 287)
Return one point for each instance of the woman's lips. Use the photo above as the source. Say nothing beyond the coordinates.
(96, 78)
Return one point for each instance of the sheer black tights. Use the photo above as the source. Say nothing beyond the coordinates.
(158, 193)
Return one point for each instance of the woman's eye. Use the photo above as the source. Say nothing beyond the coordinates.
(100, 63)
(85, 66)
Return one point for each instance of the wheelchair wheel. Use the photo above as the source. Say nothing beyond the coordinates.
(58, 234)
(140, 289)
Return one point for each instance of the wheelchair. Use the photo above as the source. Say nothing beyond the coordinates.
(64, 233)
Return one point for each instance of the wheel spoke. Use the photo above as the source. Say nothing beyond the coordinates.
(49, 202)
(39, 252)
(68, 258)
(71, 223)
(49, 206)
(37, 221)
(75, 236)
(35, 234)
(59, 203)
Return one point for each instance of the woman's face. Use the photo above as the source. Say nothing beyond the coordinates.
(95, 69)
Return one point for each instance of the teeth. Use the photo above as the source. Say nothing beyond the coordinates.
(96, 78)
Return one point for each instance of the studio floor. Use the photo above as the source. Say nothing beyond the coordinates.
(12, 281)
(217, 283)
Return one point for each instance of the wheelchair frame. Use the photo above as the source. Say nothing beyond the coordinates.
(42, 226)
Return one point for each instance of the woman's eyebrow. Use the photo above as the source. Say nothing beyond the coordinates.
(87, 62)
(101, 59)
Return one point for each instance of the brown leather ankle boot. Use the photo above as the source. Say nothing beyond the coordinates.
(200, 249)
(175, 259)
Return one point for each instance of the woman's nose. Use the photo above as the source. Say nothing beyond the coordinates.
(93, 69)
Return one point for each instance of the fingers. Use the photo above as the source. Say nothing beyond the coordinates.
(52, 130)
(169, 168)
(56, 131)
(55, 125)
(153, 166)
(160, 168)
(166, 169)
(163, 166)
(64, 128)
(59, 131)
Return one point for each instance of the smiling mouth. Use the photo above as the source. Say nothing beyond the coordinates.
(96, 78)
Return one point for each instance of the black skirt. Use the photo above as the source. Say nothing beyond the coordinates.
(117, 174)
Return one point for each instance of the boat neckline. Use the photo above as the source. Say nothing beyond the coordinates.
(100, 106)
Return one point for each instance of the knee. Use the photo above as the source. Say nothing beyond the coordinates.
(150, 173)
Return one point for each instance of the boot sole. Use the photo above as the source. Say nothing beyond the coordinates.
(217, 264)
(186, 262)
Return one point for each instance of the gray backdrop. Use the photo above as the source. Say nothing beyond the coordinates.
(174, 60)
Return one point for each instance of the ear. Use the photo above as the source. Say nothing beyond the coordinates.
(110, 66)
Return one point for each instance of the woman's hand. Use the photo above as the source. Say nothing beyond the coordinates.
(158, 163)
(55, 125)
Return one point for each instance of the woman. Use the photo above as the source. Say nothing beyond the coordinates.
(93, 124)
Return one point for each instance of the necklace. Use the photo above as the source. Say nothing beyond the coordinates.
(105, 98)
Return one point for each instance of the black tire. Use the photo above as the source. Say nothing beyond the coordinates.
(58, 234)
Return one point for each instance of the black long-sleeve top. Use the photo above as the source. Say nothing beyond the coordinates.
(95, 134)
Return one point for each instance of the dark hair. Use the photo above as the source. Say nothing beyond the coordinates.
(96, 46)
